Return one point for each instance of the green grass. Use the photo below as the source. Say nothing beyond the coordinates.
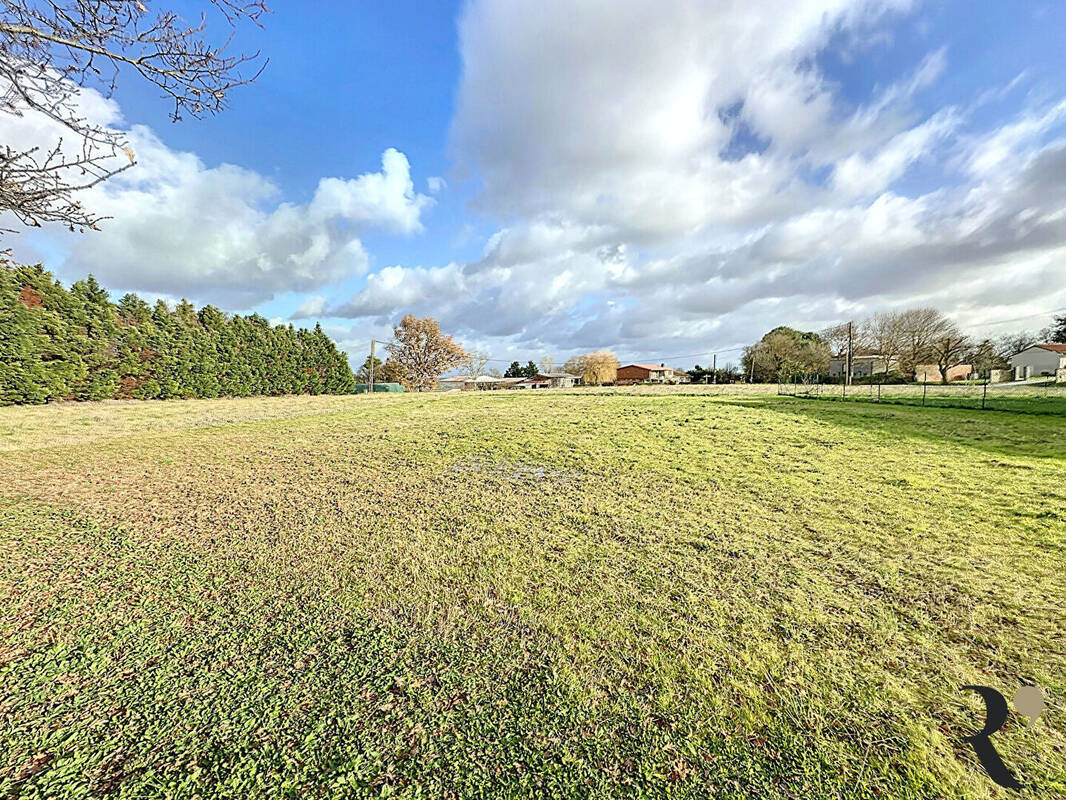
(1042, 398)
(525, 595)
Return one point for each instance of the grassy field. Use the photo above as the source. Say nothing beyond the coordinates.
(526, 595)
(1035, 398)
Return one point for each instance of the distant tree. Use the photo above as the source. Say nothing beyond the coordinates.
(919, 329)
(602, 367)
(547, 364)
(1056, 332)
(529, 370)
(985, 357)
(363, 375)
(883, 334)
(837, 337)
(594, 369)
(1011, 344)
(785, 353)
(423, 352)
(575, 365)
(494, 373)
(391, 372)
(473, 364)
(50, 49)
(514, 371)
(949, 348)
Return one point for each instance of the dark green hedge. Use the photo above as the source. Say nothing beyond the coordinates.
(76, 344)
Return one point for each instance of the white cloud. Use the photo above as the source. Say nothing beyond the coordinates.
(223, 234)
(312, 306)
(678, 174)
(859, 175)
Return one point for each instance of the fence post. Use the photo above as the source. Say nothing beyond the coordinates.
(925, 386)
(984, 394)
(879, 391)
(844, 390)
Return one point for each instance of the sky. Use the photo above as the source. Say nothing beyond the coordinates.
(667, 180)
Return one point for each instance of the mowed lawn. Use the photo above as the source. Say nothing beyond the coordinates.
(526, 595)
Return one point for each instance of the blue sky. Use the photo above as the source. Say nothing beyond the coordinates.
(658, 179)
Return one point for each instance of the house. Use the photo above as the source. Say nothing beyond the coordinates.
(862, 366)
(930, 373)
(649, 373)
(1040, 359)
(536, 382)
(453, 383)
(481, 383)
(558, 380)
(487, 383)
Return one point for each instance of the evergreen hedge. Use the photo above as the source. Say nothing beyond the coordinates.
(60, 344)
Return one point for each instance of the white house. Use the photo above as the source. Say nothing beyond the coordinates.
(1040, 359)
(559, 380)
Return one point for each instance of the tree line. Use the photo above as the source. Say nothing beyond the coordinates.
(75, 344)
(905, 340)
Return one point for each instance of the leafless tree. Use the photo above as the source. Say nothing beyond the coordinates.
(51, 50)
(547, 364)
(474, 364)
(1013, 343)
(949, 348)
(884, 334)
(919, 328)
(838, 337)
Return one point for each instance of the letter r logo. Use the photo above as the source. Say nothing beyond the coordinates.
(995, 716)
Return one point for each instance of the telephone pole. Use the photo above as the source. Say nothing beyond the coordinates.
(847, 377)
(372, 366)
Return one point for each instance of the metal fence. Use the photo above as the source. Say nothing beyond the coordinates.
(1033, 397)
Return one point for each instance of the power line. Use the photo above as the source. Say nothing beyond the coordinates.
(1019, 319)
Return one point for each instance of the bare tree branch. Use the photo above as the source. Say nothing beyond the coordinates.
(49, 50)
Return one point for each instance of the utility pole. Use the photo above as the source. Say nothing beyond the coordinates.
(714, 368)
(847, 377)
(372, 343)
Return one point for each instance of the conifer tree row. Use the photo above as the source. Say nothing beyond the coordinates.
(75, 344)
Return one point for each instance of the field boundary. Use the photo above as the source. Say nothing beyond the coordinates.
(1044, 397)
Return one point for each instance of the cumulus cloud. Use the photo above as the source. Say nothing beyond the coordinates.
(224, 234)
(682, 174)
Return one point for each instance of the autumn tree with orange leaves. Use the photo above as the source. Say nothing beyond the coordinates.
(423, 352)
